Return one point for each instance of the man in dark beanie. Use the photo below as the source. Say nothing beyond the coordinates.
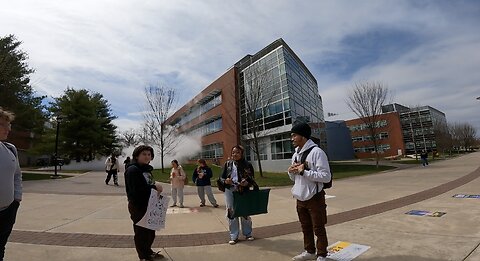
(309, 170)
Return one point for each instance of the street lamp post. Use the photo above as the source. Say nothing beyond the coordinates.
(55, 161)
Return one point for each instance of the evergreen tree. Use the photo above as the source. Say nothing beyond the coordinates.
(86, 128)
(16, 93)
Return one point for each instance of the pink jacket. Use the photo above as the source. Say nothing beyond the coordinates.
(177, 177)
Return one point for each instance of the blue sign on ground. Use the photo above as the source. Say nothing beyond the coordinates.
(465, 196)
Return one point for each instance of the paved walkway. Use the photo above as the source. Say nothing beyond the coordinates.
(81, 218)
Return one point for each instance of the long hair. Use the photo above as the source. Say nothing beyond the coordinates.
(240, 148)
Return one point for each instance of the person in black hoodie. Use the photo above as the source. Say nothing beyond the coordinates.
(237, 175)
(201, 177)
(138, 183)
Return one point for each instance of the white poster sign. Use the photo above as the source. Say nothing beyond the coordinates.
(345, 251)
(154, 218)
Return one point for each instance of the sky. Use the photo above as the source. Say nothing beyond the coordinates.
(425, 52)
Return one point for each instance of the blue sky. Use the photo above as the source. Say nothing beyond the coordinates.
(426, 52)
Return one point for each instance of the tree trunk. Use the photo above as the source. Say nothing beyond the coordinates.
(257, 152)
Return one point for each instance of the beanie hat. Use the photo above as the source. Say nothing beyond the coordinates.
(302, 129)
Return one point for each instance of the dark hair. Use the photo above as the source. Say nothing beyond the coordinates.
(140, 149)
(175, 161)
(202, 161)
(239, 147)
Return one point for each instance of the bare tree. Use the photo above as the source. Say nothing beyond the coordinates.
(466, 135)
(366, 100)
(129, 138)
(160, 100)
(257, 96)
(454, 130)
(443, 137)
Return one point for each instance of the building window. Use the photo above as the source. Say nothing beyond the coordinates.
(211, 151)
(363, 126)
(281, 147)
(262, 149)
(206, 128)
(203, 108)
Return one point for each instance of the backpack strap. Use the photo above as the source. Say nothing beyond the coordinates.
(305, 155)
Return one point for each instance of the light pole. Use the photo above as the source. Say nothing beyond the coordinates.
(55, 160)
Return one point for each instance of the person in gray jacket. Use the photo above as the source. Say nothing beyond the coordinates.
(309, 176)
(10, 181)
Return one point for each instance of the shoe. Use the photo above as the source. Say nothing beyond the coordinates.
(106, 183)
(181, 206)
(116, 184)
(174, 205)
(249, 238)
(202, 205)
(305, 256)
(157, 255)
(321, 258)
(216, 206)
(233, 242)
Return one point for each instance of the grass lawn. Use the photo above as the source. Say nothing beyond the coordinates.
(59, 170)
(272, 179)
(39, 176)
(414, 161)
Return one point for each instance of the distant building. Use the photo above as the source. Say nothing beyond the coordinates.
(218, 115)
(418, 126)
(389, 137)
(339, 141)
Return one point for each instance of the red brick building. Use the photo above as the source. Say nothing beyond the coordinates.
(389, 133)
(212, 115)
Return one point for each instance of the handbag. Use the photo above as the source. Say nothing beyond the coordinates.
(249, 203)
(220, 185)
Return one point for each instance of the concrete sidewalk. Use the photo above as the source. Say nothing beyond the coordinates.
(81, 218)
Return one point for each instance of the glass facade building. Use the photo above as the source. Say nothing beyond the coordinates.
(418, 126)
(288, 93)
(266, 92)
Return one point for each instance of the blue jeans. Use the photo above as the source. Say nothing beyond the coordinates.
(233, 224)
(424, 161)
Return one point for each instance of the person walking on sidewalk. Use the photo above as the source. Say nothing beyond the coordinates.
(201, 177)
(424, 157)
(308, 178)
(177, 180)
(139, 183)
(127, 162)
(10, 181)
(234, 177)
(111, 166)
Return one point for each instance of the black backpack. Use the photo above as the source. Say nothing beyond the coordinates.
(303, 159)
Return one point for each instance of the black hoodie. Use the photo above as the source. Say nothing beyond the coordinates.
(136, 184)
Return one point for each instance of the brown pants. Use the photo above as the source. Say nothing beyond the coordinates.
(143, 237)
(313, 217)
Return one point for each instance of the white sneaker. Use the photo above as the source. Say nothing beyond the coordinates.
(233, 242)
(321, 258)
(305, 256)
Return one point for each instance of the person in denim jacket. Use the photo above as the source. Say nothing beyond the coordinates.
(236, 175)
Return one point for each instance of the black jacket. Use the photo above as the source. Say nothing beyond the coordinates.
(136, 185)
(205, 180)
(244, 170)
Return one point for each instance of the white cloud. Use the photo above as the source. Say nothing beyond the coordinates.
(118, 47)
